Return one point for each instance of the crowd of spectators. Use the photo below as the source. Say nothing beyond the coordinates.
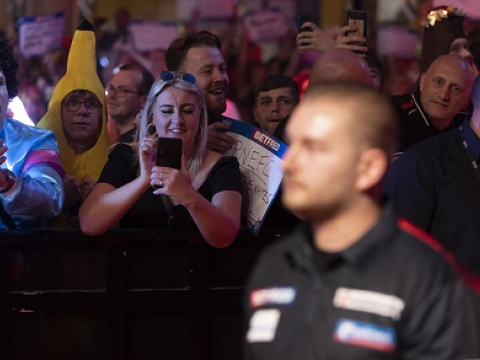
(102, 111)
(246, 64)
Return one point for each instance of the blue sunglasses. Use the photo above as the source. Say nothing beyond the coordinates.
(170, 76)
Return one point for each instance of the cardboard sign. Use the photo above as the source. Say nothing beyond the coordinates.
(265, 25)
(259, 155)
(40, 35)
(152, 35)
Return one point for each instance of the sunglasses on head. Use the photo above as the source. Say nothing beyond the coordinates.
(170, 76)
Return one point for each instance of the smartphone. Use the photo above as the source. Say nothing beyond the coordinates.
(169, 152)
(300, 20)
(359, 19)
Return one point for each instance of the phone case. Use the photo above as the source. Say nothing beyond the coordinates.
(299, 20)
(169, 152)
(359, 19)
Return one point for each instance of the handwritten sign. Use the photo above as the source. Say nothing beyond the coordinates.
(40, 35)
(152, 35)
(259, 155)
(265, 25)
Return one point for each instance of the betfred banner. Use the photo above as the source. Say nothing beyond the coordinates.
(260, 157)
(40, 35)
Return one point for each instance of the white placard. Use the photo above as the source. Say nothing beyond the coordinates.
(392, 10)
(152, 35)
(265, 25)
(216, 9)
(398, 41)
(40, 35)
(260, 157)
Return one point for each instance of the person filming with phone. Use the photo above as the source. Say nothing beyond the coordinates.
(205, 193)
(352, 36)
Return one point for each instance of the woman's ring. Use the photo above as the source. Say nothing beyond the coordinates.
(159, 185)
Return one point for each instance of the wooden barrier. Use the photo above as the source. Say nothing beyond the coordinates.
(125, 295)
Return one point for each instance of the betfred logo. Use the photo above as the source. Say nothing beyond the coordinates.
(266, 140)
(271, 296)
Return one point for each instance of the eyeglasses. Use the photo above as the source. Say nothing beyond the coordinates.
(170, 76)
(73, 105)
(119, 92)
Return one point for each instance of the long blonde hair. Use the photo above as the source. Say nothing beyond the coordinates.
(196, 162)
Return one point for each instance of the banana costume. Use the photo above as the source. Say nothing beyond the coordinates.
(81, 75)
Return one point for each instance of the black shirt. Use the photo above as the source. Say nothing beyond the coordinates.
(434, 186)
(129, 136)
(149, 212)
(389, 296)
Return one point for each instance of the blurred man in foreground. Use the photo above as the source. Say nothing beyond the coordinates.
(353, 282)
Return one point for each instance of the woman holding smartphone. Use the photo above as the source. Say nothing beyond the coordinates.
(204, 194)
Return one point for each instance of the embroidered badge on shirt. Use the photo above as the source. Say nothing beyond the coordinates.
(369, 301)
(365, 335)
(272, 296)
(263, 325)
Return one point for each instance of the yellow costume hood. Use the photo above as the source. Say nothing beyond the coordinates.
(81, 75)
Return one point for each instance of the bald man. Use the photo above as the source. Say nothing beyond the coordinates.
(340, 65)
(439, 104)
(435, 185)
(335, 64)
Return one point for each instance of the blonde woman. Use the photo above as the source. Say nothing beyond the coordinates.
(205, 194)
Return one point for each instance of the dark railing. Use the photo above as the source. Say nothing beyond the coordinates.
(126, 295)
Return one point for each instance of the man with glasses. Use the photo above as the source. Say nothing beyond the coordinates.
(76, 114)
(126, 96)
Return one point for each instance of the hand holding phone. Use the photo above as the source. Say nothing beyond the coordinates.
(169, 153)
(300, 20)
(359, 20)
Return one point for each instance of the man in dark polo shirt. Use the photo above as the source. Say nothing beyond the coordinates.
(436, 185)
(353, 282)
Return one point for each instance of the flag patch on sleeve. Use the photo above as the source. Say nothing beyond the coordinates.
(364, 334)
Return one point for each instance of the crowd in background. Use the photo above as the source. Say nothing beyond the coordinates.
(247, 62)
(378, 190)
